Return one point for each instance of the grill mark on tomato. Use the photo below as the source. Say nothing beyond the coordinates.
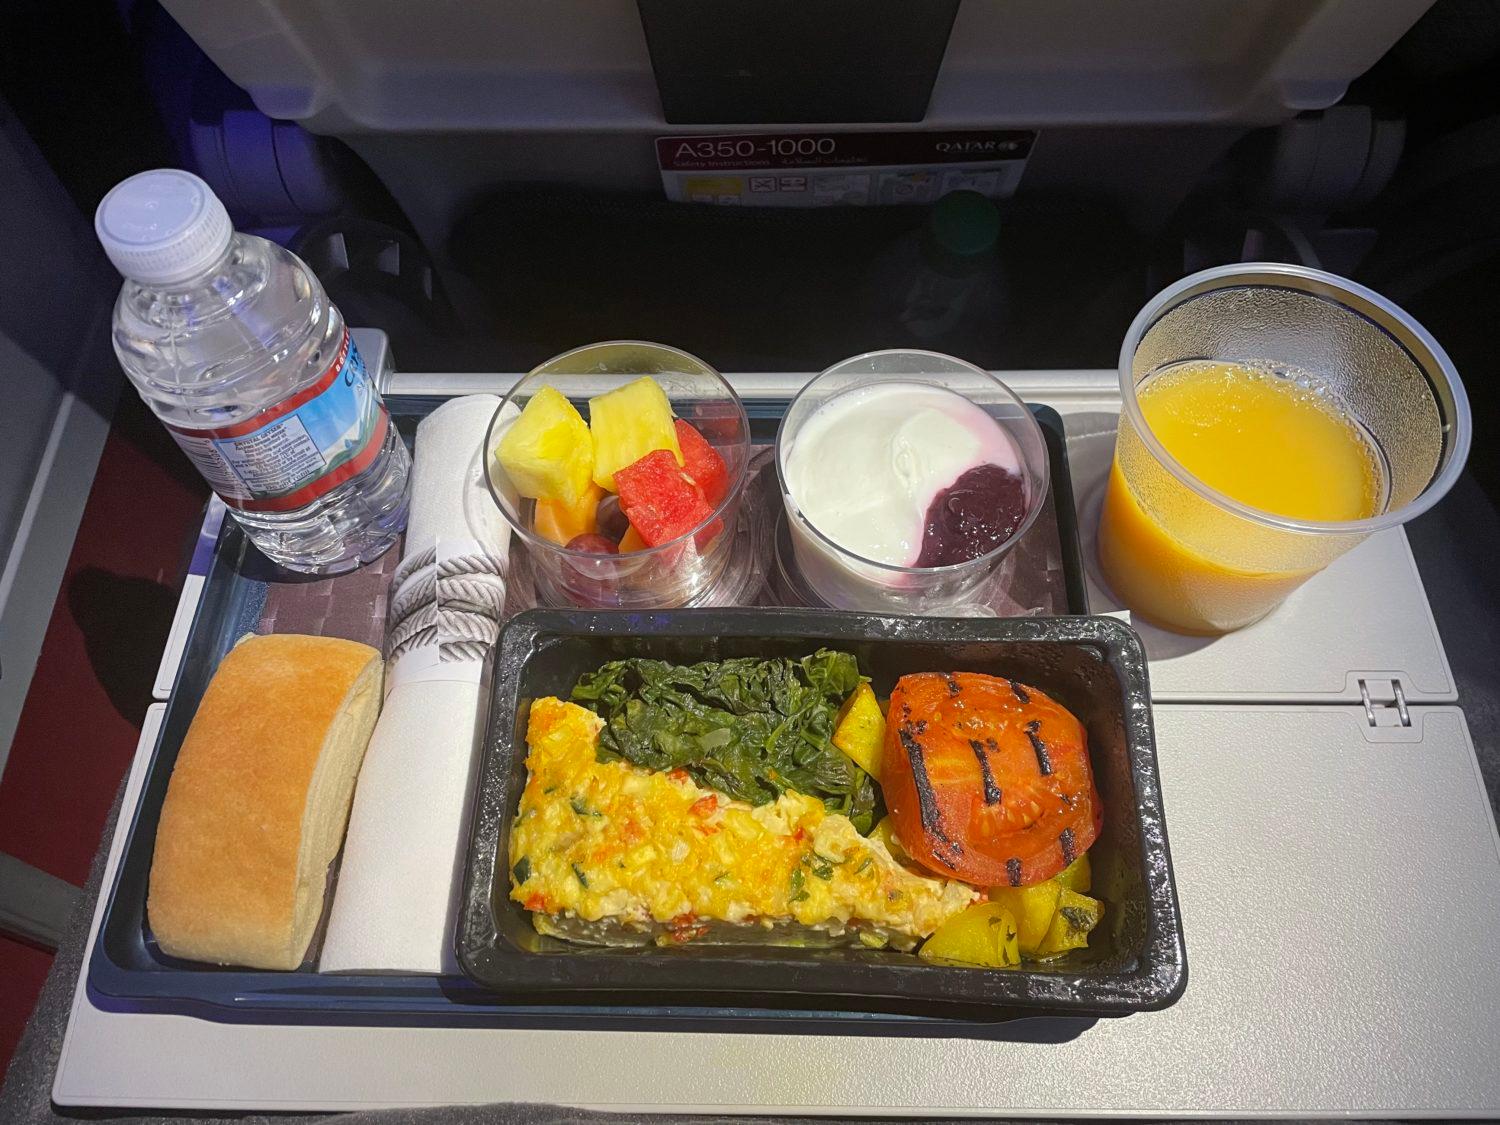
(1020, 692)
(1069, 845)
(953, 688)
(1013, 871)
(991, 790)
(1043, 759)
(927, 806)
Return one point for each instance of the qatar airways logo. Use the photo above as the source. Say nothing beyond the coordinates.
(977, 146)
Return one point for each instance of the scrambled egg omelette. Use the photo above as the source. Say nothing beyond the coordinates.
(610, 853)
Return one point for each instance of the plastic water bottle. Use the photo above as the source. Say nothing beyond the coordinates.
(234, 345)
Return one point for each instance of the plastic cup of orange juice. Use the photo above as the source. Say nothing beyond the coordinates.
(1273, 417)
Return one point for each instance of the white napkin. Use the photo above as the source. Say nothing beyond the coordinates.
(398, 883)
(403, 857)
(449, 498)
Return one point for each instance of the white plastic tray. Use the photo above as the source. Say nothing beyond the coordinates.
(1337, 872)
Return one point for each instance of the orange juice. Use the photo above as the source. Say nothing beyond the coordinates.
(1270, 442)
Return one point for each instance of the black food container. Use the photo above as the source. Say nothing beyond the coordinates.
(1092, 665)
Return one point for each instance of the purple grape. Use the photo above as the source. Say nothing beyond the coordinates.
(588, 571)
(612, 521)
(593, 545)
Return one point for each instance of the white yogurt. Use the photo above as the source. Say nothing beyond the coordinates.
(868, 463)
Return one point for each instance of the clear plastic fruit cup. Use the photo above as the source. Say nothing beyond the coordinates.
(847, 580)
(678, 572)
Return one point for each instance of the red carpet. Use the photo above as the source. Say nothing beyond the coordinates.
(83, 712)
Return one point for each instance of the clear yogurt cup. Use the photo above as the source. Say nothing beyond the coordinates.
(847, 579)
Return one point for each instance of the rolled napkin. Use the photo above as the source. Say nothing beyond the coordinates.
(448, 594)
(394, 903)
(403, 857)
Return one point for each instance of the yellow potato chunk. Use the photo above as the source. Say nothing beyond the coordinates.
(628, 423)
(1034, 908)
(984, 934)
(1077, 915)
(885, 832)
(1077, 876)
(860, 730)
(547, 452)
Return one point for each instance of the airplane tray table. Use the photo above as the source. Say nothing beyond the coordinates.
(1336, 861)
(243, 594)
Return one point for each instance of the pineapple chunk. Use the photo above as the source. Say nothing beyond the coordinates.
(547, 452)
(628, 423)
(860, 731)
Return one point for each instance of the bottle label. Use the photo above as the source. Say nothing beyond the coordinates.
(287, 456)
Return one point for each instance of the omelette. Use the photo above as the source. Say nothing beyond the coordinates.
(610, 853)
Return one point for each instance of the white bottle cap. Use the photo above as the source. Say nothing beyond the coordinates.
(163, 226)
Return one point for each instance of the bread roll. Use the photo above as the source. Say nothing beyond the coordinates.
(259, 799)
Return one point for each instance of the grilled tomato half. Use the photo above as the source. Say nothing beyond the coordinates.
(987, 780)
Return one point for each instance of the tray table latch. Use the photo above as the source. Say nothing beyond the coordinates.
(1385, 703)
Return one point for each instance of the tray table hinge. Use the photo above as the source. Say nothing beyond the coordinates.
(1385, 703)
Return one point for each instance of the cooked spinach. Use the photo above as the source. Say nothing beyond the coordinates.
(579, 806)
(797, 887)
(747, 727)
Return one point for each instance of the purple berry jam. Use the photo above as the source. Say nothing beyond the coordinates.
(973, 516)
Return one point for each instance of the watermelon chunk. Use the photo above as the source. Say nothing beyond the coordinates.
(658, 498)
(702, 463)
